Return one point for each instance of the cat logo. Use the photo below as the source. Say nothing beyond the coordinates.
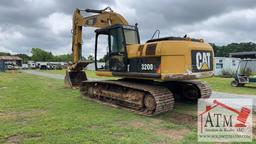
(201, 61)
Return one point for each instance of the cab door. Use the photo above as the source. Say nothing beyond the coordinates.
(118, 54)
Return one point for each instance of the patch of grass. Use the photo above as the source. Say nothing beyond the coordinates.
(63, 71)
(36, 109)
(223, 85)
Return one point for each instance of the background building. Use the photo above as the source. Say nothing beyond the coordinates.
(225, 65)
(244, 55)
(2, 66)
(12, 60)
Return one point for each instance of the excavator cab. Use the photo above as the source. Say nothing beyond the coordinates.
(110, 24)
(118, 37)
(116, 60)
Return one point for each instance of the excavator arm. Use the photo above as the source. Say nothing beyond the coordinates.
(102, 18)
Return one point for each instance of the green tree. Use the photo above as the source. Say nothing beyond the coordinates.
(4, 54)
(90, 58)
(103, 59)
(25, 58)
(41, 55)
(65, 57)
(224, 51)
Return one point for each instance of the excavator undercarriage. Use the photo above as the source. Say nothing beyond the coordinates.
(143, 97)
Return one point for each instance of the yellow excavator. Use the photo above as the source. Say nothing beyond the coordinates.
(151, 75)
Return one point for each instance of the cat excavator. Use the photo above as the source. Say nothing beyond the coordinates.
(152, 76)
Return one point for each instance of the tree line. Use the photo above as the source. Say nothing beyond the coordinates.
(224, 51)
(41, 55)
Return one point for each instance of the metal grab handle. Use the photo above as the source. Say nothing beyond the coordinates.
(155, 34)
(98, 11)
(93, 11)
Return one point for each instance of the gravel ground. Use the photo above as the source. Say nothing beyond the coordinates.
(214, 94)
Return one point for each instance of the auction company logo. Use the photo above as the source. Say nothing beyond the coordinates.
(225, 120)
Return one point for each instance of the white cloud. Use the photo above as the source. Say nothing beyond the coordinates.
(3, 49)
(129, 13)
(235, 26)
(8, 38)
(58, 23)
(40, 4)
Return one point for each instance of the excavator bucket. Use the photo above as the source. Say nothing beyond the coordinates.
(73, 79)
(75, 75)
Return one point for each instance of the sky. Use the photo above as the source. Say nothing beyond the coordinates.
(47, 24)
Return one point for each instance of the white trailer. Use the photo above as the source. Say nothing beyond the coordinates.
(225, 64)
(24, 66)
(31, 64)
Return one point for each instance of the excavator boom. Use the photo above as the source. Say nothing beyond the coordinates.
(103, 18)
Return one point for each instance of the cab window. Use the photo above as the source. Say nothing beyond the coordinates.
(116, 40)
(131, 36)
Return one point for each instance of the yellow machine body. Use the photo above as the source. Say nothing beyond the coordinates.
(176, 60)
(152, 75)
